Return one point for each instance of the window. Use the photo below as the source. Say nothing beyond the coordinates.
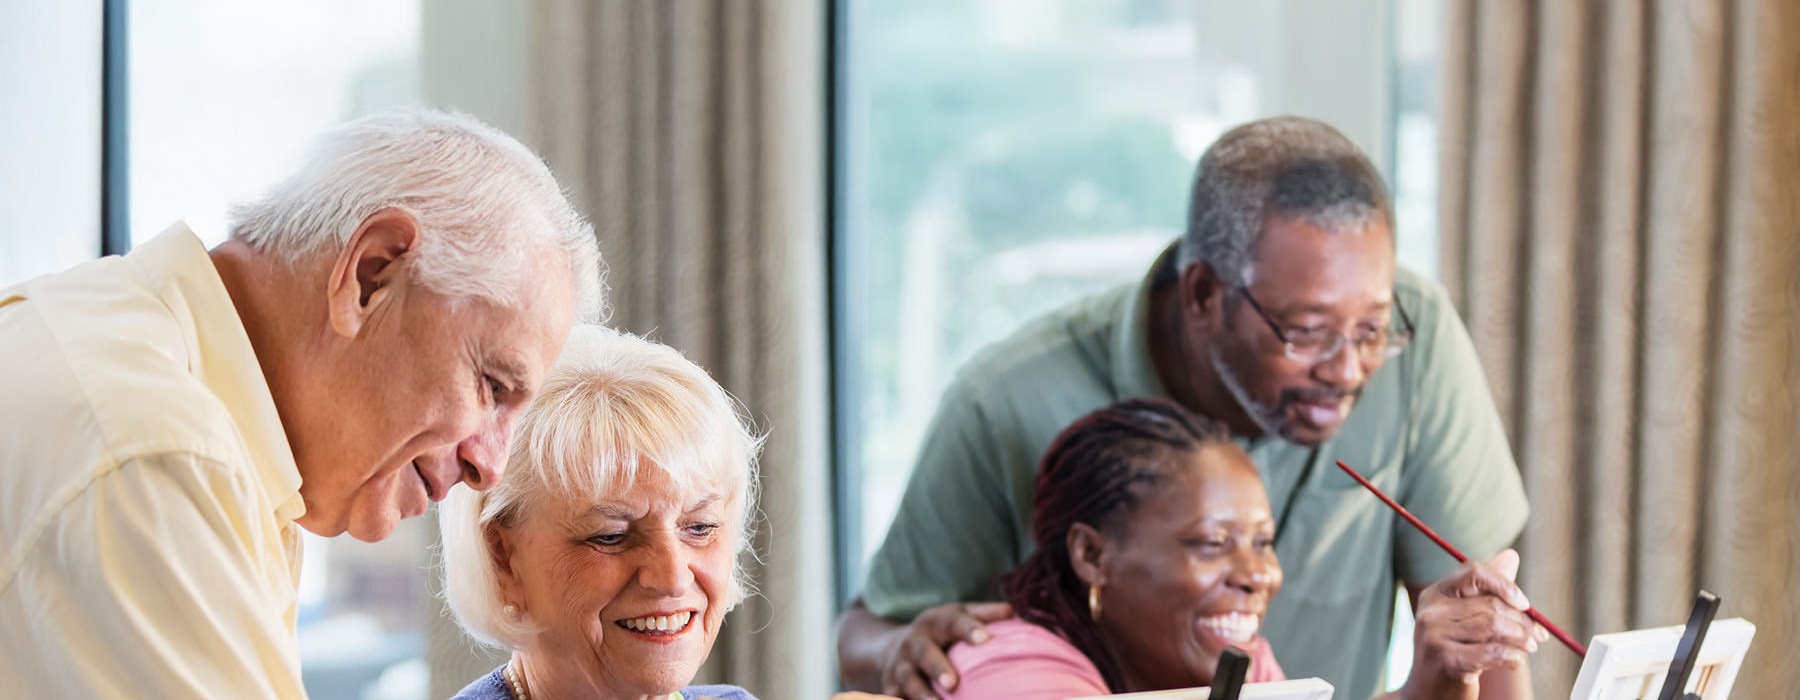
(50, 80)
(996, 159)
(226, 97)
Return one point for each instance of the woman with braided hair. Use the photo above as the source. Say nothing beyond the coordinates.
(1155, 551)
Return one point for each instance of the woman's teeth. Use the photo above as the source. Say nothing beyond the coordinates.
(1237, 627)
(658, 624)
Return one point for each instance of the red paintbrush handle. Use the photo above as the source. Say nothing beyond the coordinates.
(1538, 617)
(1561, 636)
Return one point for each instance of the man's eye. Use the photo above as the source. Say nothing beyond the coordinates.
(495, 388)
(608, 540)
(1308, 336)
(702, 529)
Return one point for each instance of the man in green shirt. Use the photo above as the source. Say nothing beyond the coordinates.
(1279, 310)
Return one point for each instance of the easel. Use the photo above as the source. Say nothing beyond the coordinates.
(1687, 652)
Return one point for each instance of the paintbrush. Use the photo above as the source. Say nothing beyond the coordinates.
(1538, 617)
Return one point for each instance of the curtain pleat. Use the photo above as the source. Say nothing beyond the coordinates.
(1552, 217)
(1611, 278)
(1620, 211)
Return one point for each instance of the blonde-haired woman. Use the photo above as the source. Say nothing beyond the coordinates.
(606, 558)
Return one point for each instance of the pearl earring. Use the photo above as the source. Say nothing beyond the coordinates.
(511, 611)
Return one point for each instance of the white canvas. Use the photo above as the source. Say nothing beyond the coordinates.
(1632, 665)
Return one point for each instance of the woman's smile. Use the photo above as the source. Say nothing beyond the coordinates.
(1229, 628)
(659, 628)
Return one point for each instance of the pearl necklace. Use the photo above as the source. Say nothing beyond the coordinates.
(516, 680)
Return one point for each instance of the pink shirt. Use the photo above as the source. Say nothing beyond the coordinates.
(1026, 662)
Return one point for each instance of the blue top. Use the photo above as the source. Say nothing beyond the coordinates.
(493, 687)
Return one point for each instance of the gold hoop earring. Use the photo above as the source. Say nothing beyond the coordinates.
(1094, 602)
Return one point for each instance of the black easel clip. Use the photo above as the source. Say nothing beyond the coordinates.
(1687, 652)
(1228, 678)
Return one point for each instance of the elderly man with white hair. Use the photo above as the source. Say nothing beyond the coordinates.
(606, 559)
(362, 343)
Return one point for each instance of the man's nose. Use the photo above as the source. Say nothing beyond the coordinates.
(1345, 369)
(483, 455)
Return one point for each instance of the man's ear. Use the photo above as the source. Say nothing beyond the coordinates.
(1087, 553)
(1202, 294)
(365, 269)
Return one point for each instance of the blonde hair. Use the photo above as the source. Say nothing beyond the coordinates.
(613, 406)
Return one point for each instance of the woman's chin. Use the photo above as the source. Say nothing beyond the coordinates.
(658, 671)
(662, 682)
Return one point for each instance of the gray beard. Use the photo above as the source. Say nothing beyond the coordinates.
(1266, 417)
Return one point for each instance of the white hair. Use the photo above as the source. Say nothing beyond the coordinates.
(489, 209)
(612, 406)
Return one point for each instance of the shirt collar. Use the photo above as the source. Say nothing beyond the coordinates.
(220, 354)
(1133, 374)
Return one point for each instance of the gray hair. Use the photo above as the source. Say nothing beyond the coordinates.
(489, 208)
(1291, 166)
(613, 406)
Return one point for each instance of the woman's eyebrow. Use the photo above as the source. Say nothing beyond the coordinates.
(704, 503)
(1220, 521)
(616, 511)
(613, 511)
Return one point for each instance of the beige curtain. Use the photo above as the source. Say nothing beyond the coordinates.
(1620, 206)
(691, 132)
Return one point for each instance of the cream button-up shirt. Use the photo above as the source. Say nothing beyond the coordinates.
(147, 491)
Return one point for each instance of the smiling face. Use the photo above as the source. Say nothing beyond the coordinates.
(628, 591)
(1308, 279)
(1190, 572)
(409, 391)
(434, 404)
(433, 410)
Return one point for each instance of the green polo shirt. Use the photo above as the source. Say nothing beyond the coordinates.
(1425, 431)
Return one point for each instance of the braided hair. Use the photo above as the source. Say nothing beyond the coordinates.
(1098, 471)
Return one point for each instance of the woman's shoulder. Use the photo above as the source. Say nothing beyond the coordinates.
(718, 692)
(489, 687)
(1021, 660)
(1012, 637)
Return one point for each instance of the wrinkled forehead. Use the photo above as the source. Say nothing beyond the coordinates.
(1296, 261)
(652, 497)
(641, 489)
(641, 505)
(680, 486)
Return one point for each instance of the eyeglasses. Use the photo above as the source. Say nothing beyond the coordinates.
(1313, 345)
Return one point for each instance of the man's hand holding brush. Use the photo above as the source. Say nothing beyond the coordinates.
(1470, 623)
